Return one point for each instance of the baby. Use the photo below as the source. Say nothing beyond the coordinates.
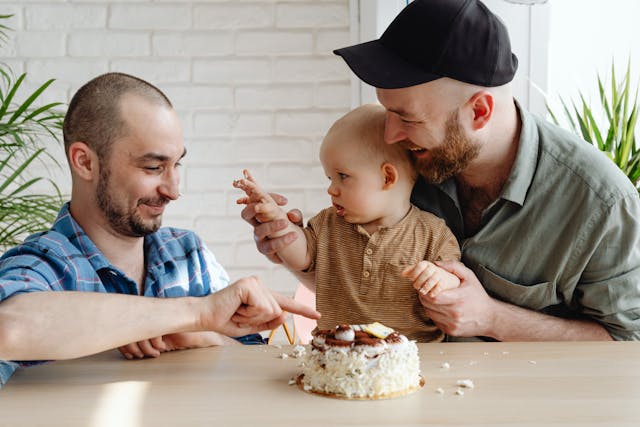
(372, 251)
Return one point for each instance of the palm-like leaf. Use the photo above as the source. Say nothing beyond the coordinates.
(25, 129)
(620, 108)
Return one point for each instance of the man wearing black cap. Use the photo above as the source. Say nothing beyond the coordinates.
(549, 227)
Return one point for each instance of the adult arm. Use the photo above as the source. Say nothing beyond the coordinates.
(64, 325)
(214, 277)
(469, 311)
(599, 284)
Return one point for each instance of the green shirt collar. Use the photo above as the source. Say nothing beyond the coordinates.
(516, 187)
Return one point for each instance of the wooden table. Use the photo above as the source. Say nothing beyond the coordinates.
(519, 384)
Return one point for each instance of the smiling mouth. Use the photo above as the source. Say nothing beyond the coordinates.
(418, 152)
(154, 207)
(413, 148)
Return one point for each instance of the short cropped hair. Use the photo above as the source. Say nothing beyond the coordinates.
(365, 126)
(94, 115)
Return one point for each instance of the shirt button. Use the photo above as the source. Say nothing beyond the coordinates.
(366, 273)
(369, 251)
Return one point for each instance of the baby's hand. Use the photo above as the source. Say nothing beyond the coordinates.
(429, 279)
(265, 207)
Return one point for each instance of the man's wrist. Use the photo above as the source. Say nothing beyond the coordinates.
(198, 309)
(497, 318)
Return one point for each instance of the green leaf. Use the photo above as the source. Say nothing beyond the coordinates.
(44, 109)
(620, 117)
(628, 140)
(553, 116)
(603, 99)
(13, 177)
(593, 126)
(569, 116)
(7, 101)
(24, 127)
(26, 104)
(584, 127)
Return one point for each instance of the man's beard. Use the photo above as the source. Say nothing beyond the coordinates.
(126, 223)
(449, 158)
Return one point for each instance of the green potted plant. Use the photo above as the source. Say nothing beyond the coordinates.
(25, 129)
(613, 131)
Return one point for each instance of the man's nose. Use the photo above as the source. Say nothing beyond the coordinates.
(393, 131)
(170, 187)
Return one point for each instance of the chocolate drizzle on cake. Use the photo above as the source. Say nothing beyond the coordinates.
(324, 338)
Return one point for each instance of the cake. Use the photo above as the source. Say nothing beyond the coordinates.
(361, 362)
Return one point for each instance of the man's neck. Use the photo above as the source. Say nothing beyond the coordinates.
(123, 252)
(489, 172)
(482, 182)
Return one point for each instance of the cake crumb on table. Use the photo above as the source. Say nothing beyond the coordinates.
(465, 383)
(298, 351)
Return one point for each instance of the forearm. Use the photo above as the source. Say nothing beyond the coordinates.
(308, 279)
(64, 325)
(295, 255)
(513, 323)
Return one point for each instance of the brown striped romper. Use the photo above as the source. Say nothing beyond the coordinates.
(358, 275)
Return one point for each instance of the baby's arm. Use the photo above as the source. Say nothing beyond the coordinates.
(295, 254)
(429, 279)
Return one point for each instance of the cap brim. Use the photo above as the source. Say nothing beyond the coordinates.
(378, 66)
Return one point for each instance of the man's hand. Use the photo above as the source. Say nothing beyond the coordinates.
(465, 311)
(429, 279)
(261, 231)
(179, 341)
(246, 307)
(146, 348)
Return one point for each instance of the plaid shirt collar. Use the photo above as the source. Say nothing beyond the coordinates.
(66, 225)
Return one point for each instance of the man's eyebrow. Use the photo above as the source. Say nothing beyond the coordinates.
(158, 157)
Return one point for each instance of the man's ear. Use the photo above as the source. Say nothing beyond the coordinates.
(482, 104)
(83, 161)
(390, 175)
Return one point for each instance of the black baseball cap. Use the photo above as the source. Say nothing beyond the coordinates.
(430, 39)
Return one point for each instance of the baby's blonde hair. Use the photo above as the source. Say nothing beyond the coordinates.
(364, 126)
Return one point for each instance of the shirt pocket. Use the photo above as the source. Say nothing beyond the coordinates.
(536, 296)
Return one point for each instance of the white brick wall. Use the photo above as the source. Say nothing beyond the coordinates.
(254, 82)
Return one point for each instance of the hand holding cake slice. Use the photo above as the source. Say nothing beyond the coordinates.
(356, 362)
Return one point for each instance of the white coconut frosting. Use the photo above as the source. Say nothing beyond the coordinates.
(352, 363)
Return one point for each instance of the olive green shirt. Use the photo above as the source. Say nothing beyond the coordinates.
(564, 236)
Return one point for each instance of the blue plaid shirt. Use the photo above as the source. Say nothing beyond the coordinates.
(65, 259)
